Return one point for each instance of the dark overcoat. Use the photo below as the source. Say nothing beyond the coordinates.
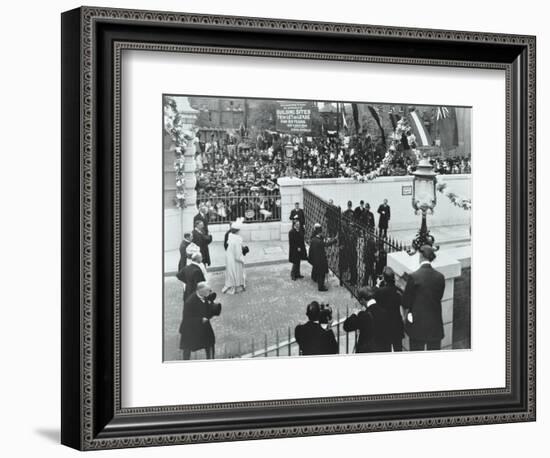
(373, 328)
(314, 340)
(183, 255)
(348, 214)
(203, 240)
(200, 217)
(422, 298)
(191, 275)
(318, 256)
(300, 215)
(369, 219)
(389, 298)
(359, 214)
(385, 214)
(296, 246)
(196, 334)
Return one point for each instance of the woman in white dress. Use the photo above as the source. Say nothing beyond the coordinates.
(234, 261)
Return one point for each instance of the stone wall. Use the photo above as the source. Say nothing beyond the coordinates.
(393, 188)
(462, 310)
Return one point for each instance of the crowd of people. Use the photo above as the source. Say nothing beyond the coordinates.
(233, 179)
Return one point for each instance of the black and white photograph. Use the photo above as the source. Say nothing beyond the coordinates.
(298, 228)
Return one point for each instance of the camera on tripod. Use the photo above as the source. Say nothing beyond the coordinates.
(319, 312)
(325, 313)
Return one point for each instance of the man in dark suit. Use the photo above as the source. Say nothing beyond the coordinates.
(348, 213)
(389, 298)
(202, 239)
(298, 213)
(371, 322)
(296, 249)
(385, 214)
(312, 337)
(202, 215)
(195, 328)
(318, 256)
(183, 250)
(191, 275)
(359, 213)
(368, 218)
(422, 304)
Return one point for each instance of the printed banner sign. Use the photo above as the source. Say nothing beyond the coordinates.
(294, 117)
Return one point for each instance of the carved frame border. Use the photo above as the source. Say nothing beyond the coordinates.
(88, 17)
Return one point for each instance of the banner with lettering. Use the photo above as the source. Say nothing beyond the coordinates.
(294, 117)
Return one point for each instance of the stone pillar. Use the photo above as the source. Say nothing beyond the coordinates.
(291, 190)
(451, 268)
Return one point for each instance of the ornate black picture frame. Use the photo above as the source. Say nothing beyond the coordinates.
(92, 42)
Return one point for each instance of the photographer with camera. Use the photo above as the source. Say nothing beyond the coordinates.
(316, 337)
(195, 329)
(371, 322)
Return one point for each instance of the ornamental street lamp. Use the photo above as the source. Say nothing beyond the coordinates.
(423, 200)
(289, 153)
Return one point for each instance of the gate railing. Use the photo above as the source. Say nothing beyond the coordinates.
(253, 207)
(360, 254)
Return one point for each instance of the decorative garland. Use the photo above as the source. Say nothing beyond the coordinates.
(174, 127)
(456, 200)
(386, 162)
(179, 200)
(442, 187)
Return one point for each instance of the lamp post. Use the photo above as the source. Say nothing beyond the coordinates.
(289, 153)
(424, 201)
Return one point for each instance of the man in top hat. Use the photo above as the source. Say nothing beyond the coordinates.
(422, 304)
